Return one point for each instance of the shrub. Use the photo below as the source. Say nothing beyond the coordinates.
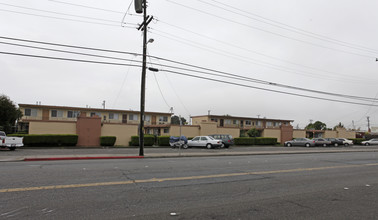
(48, 139)
(255, 141)
(244, 141)
(357, 140)
(149, 140)
(266, 141)
(107, 140)
(163, 140)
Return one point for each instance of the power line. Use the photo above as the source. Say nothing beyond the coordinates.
(251, 60)
(58, 13)
(85, 6)
(68, 59)
(290, 28)
(65, 19)
(271, 32)
(270, 90)
(224, 74)
(185, 74)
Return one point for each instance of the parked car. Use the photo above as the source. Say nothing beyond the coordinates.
(226, 139)
(204, 141)
(300, 142)
(321, 142)
(346, 142)
(370, 142)
(335, 142)
(10, 142)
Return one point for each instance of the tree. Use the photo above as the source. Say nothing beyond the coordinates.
(9, 113)
(253, 132)
(175, 120)
(318, 125)
(339, 125)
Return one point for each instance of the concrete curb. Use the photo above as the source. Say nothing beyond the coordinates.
(81, 158)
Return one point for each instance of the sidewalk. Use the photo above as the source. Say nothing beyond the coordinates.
(72, 153)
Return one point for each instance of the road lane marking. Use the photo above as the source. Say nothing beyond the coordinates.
(178, 178)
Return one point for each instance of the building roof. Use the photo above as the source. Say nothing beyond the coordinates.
(238, 117)
(86, 109)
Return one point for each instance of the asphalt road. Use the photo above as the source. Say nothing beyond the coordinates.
(294, 186)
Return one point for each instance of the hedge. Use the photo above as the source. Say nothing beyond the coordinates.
(163, 140)
(255, 141)
(149, 140)
(48, 139)
(357, 140)
(107, 140)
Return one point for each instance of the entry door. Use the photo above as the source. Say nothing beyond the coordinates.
(221, 122)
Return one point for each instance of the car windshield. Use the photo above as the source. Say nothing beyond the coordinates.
(211, 138)
(2, 133)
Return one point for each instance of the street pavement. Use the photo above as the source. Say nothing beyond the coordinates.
(76, 153)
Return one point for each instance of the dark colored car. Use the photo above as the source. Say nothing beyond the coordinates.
(227, 139)
(335, 142)
(300, 142)
(321, 142)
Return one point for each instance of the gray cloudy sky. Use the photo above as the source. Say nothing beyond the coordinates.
(328, 46)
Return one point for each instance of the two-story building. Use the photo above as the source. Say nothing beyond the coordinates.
(46, 119)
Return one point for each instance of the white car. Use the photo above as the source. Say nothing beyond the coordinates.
(204, 141)
(370, 142)
(346, 142)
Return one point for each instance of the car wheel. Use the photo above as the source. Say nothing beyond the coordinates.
(209, 146)
(288, 144)
(12, 148)
(367, 144)
(185, 146)
(223, 145)
(336, 144)
(307, 145)
(324, 145)
(346, 144)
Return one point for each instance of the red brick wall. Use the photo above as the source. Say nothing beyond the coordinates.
(89, 130)
(286, 133)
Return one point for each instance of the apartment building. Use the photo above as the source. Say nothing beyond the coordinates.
(244, 123)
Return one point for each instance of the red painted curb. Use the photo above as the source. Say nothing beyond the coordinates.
(82, 158)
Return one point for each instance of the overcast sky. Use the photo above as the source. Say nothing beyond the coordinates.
(327, 46)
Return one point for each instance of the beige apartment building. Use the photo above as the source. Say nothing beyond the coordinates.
(91, 123)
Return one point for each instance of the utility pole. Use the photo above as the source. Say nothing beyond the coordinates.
(141, 6)
(368, 120)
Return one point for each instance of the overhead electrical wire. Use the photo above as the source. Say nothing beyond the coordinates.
(66, 19)
(271, 32)
(270, 90)
(224, 74)
(58, 13)
(248, 50)
(287, 27)
(254, 61)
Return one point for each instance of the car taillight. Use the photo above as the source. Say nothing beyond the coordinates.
(229, 141)
(3, 140)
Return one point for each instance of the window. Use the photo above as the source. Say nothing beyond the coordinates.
(113, 116)
(227, 121)
(95, 113)
(195, 139)
(166, 130)
(56, 113)
(163, 119)
(148, 118)
(258, 123)
(269, 124)
(72, 114)
(248, 122)
(235, 122)
(31, 112)
(214, 120)
(203, 138)
(133, 117)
